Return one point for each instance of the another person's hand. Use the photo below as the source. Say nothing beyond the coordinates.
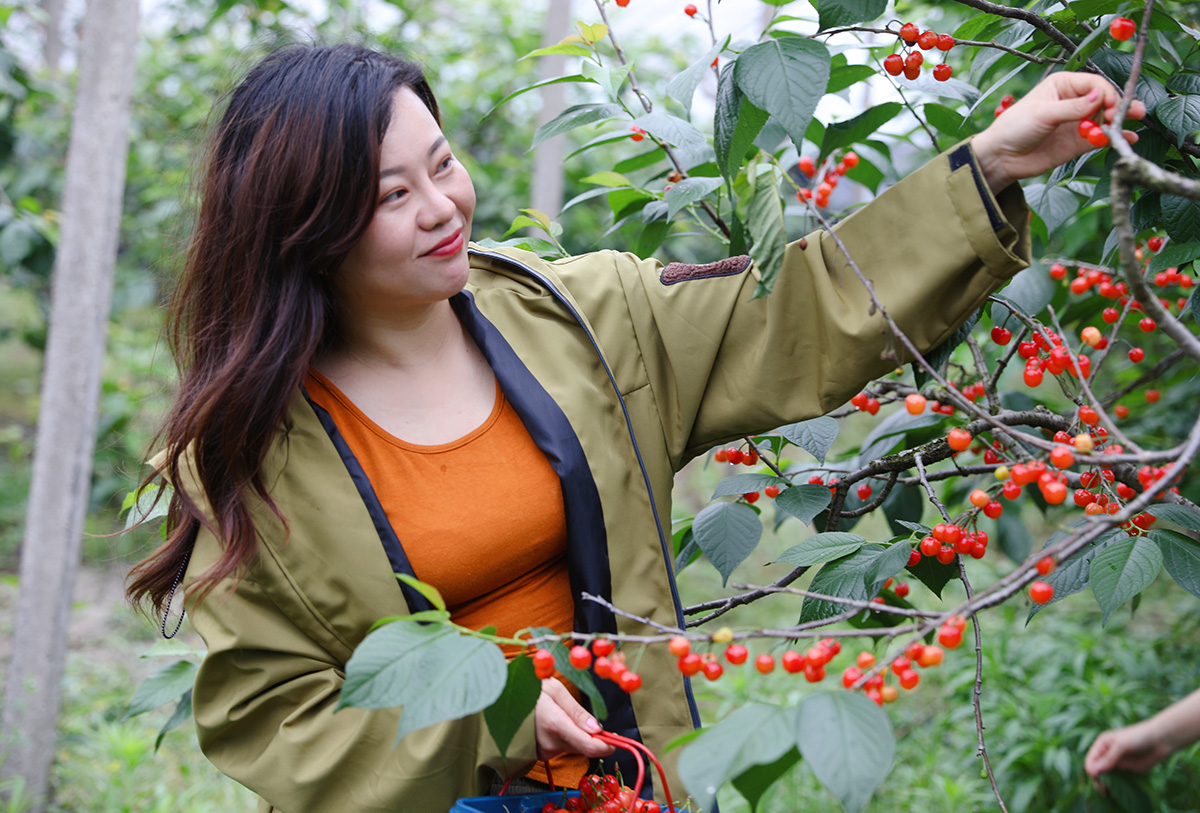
(564, 726)
(1040, 131)
(1137, 747)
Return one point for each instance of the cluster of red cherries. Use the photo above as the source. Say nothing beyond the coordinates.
(833, 170)
(910, 64)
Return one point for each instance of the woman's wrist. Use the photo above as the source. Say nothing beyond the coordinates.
(991, 164)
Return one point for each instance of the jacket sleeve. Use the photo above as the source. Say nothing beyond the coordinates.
(721, 364)
(264, 703)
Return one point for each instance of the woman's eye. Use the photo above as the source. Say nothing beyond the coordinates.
(394, 196)
(446, 163)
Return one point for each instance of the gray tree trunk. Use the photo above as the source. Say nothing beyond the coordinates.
(52, 38)
(66, 433)
(547, 192)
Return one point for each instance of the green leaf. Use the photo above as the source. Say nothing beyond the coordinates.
(1122, 570)
(1013, 536)
(814, 436)
(1179, 515)
(933, 574)
(754, 782)
(944, 119)
(1180, 115)
(566, 48)
(847, 741)
(427, 590)
(521, 692)
(536, 85)
(803, 502)
(1180, 217)
(182, 713)
(903, 504)
(843, 76)
(755, 734)
(610, 79)
(764, 219)
(821, 548)
(432, 671)
(689, 191)
(858, 128)
(575, 116)
(785, 77)
(889, 432)
(858, 576)
(671, 129)
(1053, 205)
(736, 123)
(609, 178)
(1174, 255)
(1072, 574)
(739, 484)
(147, 504)
(838, 13)
(1181, 557)
(683, 87)
(164, 686)
(1186, 82)
(1029, 292)
(727, 532)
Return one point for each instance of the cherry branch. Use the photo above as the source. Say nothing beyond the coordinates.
(957, 42)
(977, 693)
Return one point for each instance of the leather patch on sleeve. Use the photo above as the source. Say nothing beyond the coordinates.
(682, 272)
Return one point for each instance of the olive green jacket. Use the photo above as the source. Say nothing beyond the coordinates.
(622, 371)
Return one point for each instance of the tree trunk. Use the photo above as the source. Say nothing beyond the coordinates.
(66, 433)
(52, 39)
(547, 192)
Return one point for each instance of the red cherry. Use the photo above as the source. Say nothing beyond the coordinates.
(736, 654)
(806, 166)
(1058, 271)
(1045, 566)
(864, 491)
(893, 64)
(901, 590)
(909, 33)
(1152, 396)
(993, 510)
(850, 159)
(1001, 335)
(690, 664)
(942, 72)
(713, 669)
(771, 491)
(543, 663)
(1041, 592)
(1122, 28)
(945, 42)
(1147, 324)
(690, 10)
(764, 663)
(1136, 354)
(1155, 244)
(793, 661)
(602, 647)
(751, 496)
(580, 657)
(629, 681)
(958, 439)
(927, 40)
(679, 646)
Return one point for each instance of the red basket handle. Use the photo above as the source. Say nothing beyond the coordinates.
(636, 748)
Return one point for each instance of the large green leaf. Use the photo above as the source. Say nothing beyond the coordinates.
(755, 734)
(857, 129)
(814, 436)
(1181, 557)
(727, 532)
(934, 574)
(858, 576)
(689, 191)
(1180, 115)
(166, 685)
(847, 741)
(821, 548)
(736, 123)
(435, 673)
(785, 77)
(1180, 217)
(764, 220)
(738, 484)
(756, 780)
(889, 432)
(1072, 574)
(182, 713)
(1029, 292)
(610, 79)
(1175, 255)
(1054, 205)
(904, 504)
(572, 117)
(837, 13)
(671, 129)
(1179, 515)
(804, 501)
(683, 87)
(521, 692)
(1013, 536)
(1122, 570)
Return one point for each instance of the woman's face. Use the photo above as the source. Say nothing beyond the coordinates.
(414, 252)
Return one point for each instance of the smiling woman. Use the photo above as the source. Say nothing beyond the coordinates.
(346, 360)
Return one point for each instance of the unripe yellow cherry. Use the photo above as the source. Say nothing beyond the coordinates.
(1002, 472)
(1084, 443)
(722, 636)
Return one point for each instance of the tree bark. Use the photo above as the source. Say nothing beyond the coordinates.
(52, 38)
(547, 183)
(81, 298)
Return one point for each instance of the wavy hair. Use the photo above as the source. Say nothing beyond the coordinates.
(287, 188)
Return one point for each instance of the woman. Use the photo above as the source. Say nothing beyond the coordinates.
(363, 394)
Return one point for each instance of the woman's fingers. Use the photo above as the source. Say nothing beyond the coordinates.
(564, 726)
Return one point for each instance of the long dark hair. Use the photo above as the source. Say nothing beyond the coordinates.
(288, 188)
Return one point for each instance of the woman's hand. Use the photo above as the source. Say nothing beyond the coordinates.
(1133, 748)
(1039, 132)
(564, 726)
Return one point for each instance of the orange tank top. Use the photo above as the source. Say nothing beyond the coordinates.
(480, 518)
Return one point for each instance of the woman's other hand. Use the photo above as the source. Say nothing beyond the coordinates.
(1040, 131)
(1133, 748)
(564, 726)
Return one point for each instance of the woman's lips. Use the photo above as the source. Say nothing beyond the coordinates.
(448, 247)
